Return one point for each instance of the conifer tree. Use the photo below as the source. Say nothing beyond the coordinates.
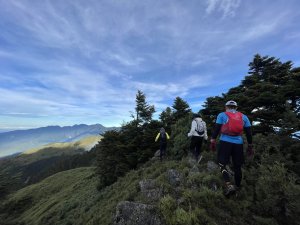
(181, 108)
(167, 118)
(143, 110)
(263, 95)
(111, 158)
(118, 152)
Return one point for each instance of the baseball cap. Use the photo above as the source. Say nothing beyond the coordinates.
(231, 103)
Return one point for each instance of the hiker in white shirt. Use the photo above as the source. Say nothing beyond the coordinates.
(197, 133)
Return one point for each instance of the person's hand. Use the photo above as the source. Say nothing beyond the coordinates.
(189, 134)
(250, 150)
(213, 145)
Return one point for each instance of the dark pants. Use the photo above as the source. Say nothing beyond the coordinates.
(235, 151)
(195, 146)
(163, 147)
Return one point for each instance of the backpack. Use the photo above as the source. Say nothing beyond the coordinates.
(234, 125)
(163, 137)
(199, 128)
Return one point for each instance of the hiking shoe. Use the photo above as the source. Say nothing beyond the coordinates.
(200, 157)
(229, 190)
(229, 170)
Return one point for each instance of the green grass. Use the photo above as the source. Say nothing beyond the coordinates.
(14, 171)
(71, 197)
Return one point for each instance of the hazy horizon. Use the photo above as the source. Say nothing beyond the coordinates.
(28, 128)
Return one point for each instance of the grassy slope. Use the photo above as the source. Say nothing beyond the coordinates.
(54, 149)
(70, 197)
(83, 143)
(11, 169)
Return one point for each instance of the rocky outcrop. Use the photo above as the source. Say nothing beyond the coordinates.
(174, 177)
(131, 213)
(212, 166)
(156, 155)
(194, 170)
(191, 161)
(150, 191)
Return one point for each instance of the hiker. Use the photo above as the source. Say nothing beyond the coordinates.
(164, 136)
(198, 132)
(231, 124)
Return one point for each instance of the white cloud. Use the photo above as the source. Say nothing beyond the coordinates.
(226, 7)
(82, 58)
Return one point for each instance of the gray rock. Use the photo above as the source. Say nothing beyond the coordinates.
(147, 185)
(180, 201)
(131, 213)
(194, 170)
(191, 161)
(153, 195)
(174, 177)
(156, 155)
(212, 166)
(213, 186)
(150, 190)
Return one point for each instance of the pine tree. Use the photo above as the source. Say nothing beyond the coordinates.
(181, 108)
(143, 110)
(111, 158)
(167, 118)
(118, 152)
(211, 108)
(263, 95)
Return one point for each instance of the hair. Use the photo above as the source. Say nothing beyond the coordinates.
(162, 130)
(196, 115)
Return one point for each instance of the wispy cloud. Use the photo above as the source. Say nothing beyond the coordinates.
(68, 61)
(226, 7)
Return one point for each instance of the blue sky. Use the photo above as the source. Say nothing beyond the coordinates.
(70, 62)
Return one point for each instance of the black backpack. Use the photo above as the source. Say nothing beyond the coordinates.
(163, 137)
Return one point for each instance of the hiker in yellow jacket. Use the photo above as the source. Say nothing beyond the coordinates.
(164, 136)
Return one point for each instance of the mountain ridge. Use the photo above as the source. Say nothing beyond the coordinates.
(20, 140)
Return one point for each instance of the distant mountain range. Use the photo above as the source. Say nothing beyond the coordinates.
(13, 142)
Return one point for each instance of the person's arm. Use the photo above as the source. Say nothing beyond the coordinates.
(168, 137)
(213, 142)
(205, 131)
(193, 128)
(157, 136)
(218, 126)
(216, 131)
(247, 128)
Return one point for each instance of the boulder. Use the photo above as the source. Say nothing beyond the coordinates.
(131, 213)
(150, 190)
(147, 185)
(213, 186)
(194, 170)
(156, 155)
(212, 166)
(174, 177)
(191, 161)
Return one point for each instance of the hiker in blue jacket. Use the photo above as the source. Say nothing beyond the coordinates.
(231, 124)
